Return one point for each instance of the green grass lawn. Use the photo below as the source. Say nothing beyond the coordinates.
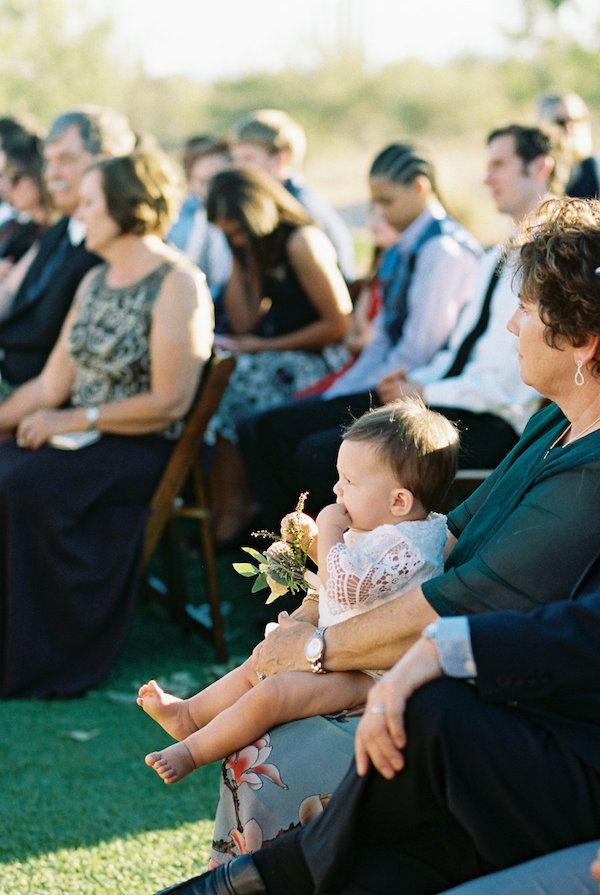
(80, 813)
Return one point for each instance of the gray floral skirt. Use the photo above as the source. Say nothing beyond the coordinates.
(281, 781)
(268, 379)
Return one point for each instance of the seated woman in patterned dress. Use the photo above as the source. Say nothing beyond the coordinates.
(288, 307)
(127, 365)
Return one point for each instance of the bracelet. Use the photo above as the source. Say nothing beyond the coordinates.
(311, 597)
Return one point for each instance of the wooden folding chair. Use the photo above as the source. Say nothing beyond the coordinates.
(169, 502)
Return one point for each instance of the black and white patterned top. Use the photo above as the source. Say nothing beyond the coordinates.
(109, 342)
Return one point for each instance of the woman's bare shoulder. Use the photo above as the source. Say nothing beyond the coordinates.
(309, 241)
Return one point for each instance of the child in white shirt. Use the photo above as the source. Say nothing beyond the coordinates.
(379, 540)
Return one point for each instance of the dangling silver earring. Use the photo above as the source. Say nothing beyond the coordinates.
(579, 377)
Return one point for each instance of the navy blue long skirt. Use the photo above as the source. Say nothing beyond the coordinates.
(71, 536)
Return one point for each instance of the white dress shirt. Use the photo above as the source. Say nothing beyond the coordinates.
(490, 381)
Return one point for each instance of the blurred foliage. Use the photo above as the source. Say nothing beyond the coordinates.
(52, 58)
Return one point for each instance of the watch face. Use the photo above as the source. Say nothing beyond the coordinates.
(314, 648)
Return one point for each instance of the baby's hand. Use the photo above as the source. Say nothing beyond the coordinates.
(334, 516)
(301, 522)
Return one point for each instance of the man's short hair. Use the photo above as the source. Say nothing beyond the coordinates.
(532, 141)
(103, 131)
(275, 131)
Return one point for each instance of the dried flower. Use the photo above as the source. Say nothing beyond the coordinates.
(282, 566)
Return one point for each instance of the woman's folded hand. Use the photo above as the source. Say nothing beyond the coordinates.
(36, 428)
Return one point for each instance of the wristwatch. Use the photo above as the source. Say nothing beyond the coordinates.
(315, 651)
(91, 415)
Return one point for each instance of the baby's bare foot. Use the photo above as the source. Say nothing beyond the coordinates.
(173, 763)
(169, 711)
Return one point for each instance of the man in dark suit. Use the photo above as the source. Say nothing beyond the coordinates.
(469, 776)
(29, 331)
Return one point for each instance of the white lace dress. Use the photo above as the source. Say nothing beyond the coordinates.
(371, 567)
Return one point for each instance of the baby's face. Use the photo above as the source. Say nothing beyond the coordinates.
(366, 485)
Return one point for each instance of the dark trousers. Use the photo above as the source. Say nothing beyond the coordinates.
(484, 787)
(294, 448)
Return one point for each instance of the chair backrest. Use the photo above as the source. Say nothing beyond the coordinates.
(214, 381)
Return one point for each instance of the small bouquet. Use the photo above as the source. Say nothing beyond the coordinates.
(282, 567)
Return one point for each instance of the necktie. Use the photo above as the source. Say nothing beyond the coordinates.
(465, 348)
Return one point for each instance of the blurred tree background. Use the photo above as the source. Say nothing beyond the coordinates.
(52, 58)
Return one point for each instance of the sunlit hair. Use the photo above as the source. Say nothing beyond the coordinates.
(102, 130)
(142, 190)
(259, 204)
(419, 445)
(275, 131)
(403, 163)
(548, 103)
(558, 269)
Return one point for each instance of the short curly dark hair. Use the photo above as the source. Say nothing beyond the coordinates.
(558, 269)
(141, 190)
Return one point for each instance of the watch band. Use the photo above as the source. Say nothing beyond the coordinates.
(91, 415)
(316, 662)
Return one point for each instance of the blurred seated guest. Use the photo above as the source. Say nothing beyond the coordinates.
(22, 182)
(29, 331)
(569, 113)
(273, 141)
(288, 307)
(10, 128)
(125, 368)
(192, 233)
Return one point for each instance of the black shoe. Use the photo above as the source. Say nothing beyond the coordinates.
(237, 877)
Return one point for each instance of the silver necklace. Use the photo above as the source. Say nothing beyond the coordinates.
(577, 437)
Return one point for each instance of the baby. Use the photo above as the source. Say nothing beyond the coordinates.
(379, 540)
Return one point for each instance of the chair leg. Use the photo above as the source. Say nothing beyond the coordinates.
(208, 552)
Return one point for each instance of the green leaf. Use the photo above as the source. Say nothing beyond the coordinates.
(259, 584)
(245, 568)
(254, 554)
(277, 577)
